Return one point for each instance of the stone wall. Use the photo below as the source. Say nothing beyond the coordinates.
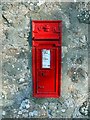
(17, 100)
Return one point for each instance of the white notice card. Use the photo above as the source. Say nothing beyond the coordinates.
(45, 58)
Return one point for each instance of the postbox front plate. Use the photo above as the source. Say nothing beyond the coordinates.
(46, 75)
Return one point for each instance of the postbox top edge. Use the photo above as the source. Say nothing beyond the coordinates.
(41, 21)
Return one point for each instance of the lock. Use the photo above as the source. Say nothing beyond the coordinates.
(46, 58)
(43, 74)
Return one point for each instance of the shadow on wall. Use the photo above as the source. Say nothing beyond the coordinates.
(30, 55)
(30, 34)
(30, 48)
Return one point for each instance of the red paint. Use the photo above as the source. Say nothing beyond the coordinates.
(46, 35)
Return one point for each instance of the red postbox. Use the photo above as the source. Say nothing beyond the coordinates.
(46, 58)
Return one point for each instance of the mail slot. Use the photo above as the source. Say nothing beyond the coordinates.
(46, 58)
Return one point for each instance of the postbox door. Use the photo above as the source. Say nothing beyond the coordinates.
(46, 65)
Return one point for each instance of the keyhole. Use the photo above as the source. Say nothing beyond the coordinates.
(42, 74)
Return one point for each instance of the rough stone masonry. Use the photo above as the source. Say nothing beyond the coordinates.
(16, 96)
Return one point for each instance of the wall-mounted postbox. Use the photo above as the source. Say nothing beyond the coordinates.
(46, 57)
